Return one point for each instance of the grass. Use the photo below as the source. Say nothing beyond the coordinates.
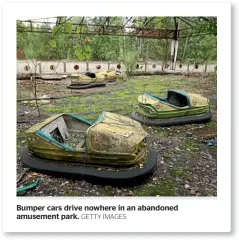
(184, 173)
(95, 106)
(190, 146)
(159, 132)
(21, 140)
(164, 188)
(72, 194)
(211, 123)
(122, 99)
(117, 99)
(108, 191)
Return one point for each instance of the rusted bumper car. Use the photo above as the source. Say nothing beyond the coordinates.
(177, 108)
(87, 80)
(110, 151)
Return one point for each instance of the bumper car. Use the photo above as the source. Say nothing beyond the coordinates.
(53, 77)
(110, 75)
(110, 150)
(87, 80)
(177, 108)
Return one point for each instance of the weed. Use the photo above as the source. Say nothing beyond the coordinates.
(165, 188)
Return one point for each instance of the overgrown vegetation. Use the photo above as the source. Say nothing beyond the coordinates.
(164, 188)
(184, 158)
(177, 162)
(80, 46)
(121, 99)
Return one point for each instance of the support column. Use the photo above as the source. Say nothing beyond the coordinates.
(174, 52)
(174, 45)
(64, 66)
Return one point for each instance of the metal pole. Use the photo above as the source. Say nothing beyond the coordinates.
(174, 46)
(64, 65)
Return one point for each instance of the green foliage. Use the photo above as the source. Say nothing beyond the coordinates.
(52, 43)
(78, 29)
(129, 55)
(56, 30)
(201, 49)
(68, 27)
(78, 52)
(83, 53)
(105, 47)
(42, 48)
(117, 48)
(129, 59)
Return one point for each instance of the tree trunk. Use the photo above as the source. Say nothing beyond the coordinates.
(205, 67)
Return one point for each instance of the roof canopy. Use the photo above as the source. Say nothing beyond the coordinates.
(142, 27)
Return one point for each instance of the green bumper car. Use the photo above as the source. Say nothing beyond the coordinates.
(111, 150)
(177, 108)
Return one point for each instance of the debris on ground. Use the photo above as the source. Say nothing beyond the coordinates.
(187, 154)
